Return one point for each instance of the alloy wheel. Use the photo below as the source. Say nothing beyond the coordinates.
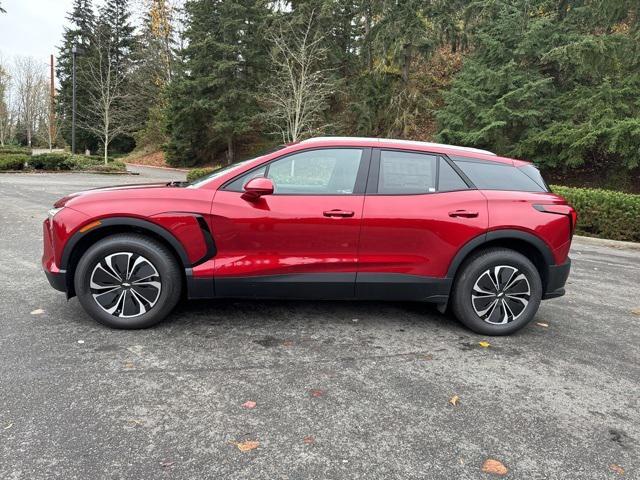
(500, 294)
(125, 284)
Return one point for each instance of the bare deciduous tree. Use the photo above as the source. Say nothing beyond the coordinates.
(29, 78)
(298, 91)
(6, 107)
(106, 112)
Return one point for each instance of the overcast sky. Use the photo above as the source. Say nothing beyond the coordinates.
(32, 27)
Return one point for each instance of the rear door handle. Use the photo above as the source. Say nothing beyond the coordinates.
(463, 214)
(338, 213)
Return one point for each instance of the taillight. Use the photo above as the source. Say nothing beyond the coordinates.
(566, 210)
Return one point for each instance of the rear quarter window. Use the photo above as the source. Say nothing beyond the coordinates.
(497, 176)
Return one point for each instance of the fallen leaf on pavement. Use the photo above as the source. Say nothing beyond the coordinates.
(309, 439)
(635, 311)
(287, 343)
(134, 421)
(541, 324)
(316, 392)
(249, 404)
(494, 467)
(617, 468)
(455, 400)
(427, 356)
(484, 344)
(165, 464)
(8, 426)
(128, 365)
(247, 446)
(38, 311)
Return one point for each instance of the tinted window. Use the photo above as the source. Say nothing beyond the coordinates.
(534, 174)
(406, 173)
(448, 179)
(497, 176)
(330, 171)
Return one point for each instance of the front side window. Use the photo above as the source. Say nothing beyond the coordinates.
(406, 173)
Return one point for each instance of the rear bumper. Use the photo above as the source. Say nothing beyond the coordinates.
(57, 280)
(556, 279)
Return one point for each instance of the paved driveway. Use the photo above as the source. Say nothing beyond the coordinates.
(342, 390)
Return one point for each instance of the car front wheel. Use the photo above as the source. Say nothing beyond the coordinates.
(497, 292)
(128, 281)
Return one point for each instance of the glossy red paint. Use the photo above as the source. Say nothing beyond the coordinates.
(418, 235)
(414, 234)
(284, 234)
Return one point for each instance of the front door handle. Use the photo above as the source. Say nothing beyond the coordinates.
(338, 213)
(463, 214)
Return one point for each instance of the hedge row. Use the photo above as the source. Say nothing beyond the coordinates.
(13, 161)
(59, 161)
(12, 150)
(604, 213)
(197, 173)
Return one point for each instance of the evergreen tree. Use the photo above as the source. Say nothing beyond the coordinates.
(78, 34)
(551, 81)
(213, 103)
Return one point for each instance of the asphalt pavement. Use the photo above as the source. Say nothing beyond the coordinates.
(341, 389)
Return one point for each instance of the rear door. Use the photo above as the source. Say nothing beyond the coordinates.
(418, 213)
(299, 242)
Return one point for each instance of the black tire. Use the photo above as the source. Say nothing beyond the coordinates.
(481, 300)
(153, 286)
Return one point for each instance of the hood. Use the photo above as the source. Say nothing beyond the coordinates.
(116, 188)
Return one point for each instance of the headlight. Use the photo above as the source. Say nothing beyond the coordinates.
(53, 211)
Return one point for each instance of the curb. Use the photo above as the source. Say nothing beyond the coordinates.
(159, 168)
(603, 242)
(61, 172)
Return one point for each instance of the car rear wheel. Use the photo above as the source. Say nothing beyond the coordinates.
(497, 292)
(128, 281)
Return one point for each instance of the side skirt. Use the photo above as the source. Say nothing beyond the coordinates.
(324, 286)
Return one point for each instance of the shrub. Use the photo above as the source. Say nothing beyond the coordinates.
(14, 150)
(12, 161)
(49, 161)
(604, 213)
(114, 166)
(197, 173)
(81, 162)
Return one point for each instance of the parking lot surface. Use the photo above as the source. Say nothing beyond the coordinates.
(341, 389)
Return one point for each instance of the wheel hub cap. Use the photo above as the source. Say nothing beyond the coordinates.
(125, 284)
(501, 294)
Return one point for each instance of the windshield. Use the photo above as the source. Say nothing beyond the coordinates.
(218, 172)
(229, 168)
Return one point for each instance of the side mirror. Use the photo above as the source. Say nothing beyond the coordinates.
(257, 187)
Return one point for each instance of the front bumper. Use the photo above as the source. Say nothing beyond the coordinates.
(57, 280)
(556, 279)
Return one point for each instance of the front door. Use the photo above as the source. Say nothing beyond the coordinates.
(299, 242)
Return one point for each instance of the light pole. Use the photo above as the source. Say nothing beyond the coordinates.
(74, 52)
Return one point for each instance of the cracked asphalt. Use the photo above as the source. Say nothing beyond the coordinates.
(342, 389)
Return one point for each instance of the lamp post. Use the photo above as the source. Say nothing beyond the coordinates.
(74, 52)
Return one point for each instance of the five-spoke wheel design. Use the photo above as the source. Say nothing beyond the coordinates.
(500, 294)
(125, 284)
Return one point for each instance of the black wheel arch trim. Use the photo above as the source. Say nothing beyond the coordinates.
(504, 234)
(149, 226)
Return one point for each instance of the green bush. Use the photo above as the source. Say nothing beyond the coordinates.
(114, 166)
(49, 161)
(197, 173)
(604, 213)
(12, 161)
(81, 162)
(13, 150)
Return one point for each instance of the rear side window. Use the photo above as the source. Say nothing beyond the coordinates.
(497, 176)
(534, 174)
(448, 179)
(406, 173)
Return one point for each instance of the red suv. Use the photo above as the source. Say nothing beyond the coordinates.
(326, 218)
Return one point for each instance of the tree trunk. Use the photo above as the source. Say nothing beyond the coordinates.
(106, 152)
(231, 152)
(406, 63)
